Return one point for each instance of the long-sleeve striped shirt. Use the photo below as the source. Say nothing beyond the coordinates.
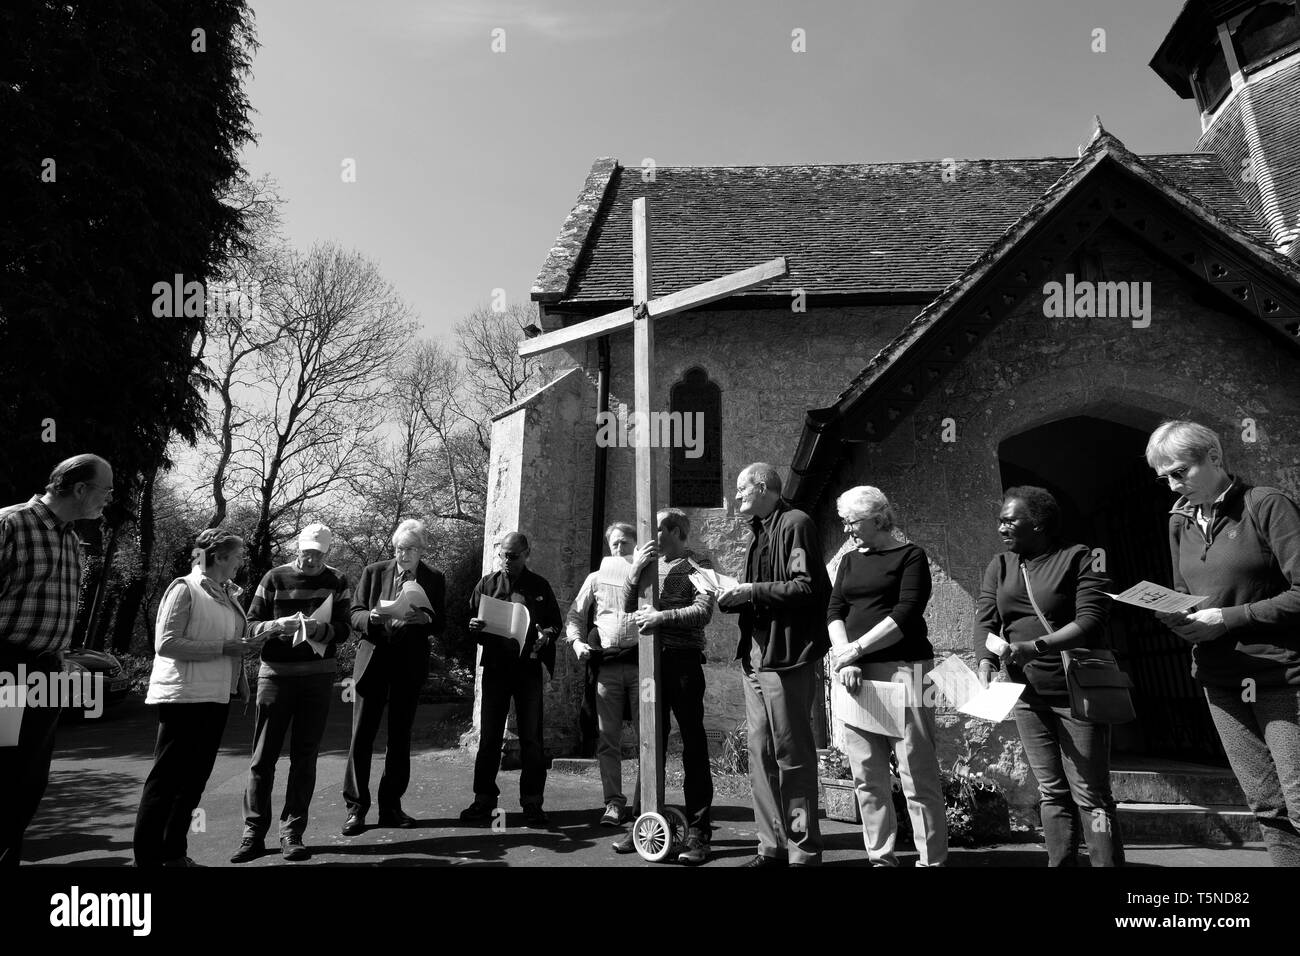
(686, 610)
(286, 591)
(40, 579)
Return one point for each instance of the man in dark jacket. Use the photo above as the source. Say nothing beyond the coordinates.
(782, 607)
(392, 665)
(513, 672)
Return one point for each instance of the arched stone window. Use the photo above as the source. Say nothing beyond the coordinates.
(695, 471)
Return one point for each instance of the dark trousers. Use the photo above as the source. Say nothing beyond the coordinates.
(401, 698)
(304, 703)
(1071, 762)
(681, 692)
(522, 683)
(783, 760)
(25, 769)
(1262, 740)
(189, 736)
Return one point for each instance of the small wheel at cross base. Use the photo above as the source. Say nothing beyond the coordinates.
(677, 821)
(652, 836)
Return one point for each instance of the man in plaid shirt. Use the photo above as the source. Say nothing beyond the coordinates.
(40, 577)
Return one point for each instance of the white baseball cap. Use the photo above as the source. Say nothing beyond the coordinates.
(315, 537)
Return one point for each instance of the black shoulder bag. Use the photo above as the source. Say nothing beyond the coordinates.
(1099, 690)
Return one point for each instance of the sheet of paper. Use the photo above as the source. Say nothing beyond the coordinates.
(715, 582)
(411, 596)
(504, 619)
(1156, 597)
(994, 702)
(955, 681)
(13, 698)
(994, 643)
(321, 614)
(877, 707)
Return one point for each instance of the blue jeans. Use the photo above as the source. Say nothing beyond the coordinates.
(304, 703)
(1262, 740)
(1071, 762)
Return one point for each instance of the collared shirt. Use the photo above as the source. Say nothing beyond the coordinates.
(1205, 516)
(40, 578)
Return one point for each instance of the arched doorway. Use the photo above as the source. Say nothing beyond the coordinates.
(1111, 500)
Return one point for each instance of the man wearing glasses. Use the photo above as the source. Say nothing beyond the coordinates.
(392, 665)
(40, 578)
(511, 672)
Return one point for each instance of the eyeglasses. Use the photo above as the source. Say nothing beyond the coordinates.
(93, 487)
(1177, 474)
(511, 555)
(414, 547)
(1005, 522)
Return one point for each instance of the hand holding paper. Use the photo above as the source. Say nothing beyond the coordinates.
(504, 619)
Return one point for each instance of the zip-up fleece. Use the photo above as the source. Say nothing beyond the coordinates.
(1248, 565)
(787, 616)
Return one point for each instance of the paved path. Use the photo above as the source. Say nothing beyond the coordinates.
(100, 765)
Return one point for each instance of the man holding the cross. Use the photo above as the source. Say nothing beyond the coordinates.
(783, 634)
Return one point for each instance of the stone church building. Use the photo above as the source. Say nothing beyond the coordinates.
(920, 344)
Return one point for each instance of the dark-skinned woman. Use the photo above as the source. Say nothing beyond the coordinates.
(1239, 545)
(1070, 758)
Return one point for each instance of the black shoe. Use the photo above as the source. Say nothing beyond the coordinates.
(181, 861)
(355, 823)
(395, 818)
(696, 850)
(626, 844)
(761, 860)
(535, 816)
(250, 848)
(478, 811)
(291, 848)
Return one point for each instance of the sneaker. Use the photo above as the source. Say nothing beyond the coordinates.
(250, 848)
(624, 844)
(696, 850)
(478, 811)
(291, 848)
(767, 861)
(535, 816)
(613, 816)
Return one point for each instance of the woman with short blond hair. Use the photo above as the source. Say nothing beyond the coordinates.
(879, 596)
(1240, 546)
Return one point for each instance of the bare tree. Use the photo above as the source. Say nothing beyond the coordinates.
(316, 404)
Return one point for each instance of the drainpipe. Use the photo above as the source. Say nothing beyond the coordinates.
(599, 548)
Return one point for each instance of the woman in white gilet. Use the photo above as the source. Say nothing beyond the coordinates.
(200, 641)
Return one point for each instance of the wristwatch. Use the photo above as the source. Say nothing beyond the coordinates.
(1040, 647)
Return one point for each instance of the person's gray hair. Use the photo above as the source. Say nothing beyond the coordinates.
(762, 471)
(412, 528)
(623, 526)
(1184, 441)
(866, 501)
(71, 472)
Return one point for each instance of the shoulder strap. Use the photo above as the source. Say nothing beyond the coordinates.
(1024, 572)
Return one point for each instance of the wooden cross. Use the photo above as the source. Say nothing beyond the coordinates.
(638, 317)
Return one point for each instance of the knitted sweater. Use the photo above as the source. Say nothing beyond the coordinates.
(685, 609)
(285, 591)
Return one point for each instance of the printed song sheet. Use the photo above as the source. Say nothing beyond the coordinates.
(1155, 597)
(504, 619)
(877, 707)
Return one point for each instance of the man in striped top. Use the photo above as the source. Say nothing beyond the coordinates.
(40, 578)
(294, 686)
(683, 612)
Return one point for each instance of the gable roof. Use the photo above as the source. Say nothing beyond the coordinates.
(1151, 206)
(879, 229)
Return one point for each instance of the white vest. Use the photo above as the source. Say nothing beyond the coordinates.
(212, 680)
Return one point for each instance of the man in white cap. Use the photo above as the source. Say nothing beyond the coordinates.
(293, 687)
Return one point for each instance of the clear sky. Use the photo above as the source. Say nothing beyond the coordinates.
(467, 160)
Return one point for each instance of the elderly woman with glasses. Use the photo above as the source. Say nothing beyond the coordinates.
(200, 641)
(1239, 545)
(392, 665)
(1070, 758)
(881, 589)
